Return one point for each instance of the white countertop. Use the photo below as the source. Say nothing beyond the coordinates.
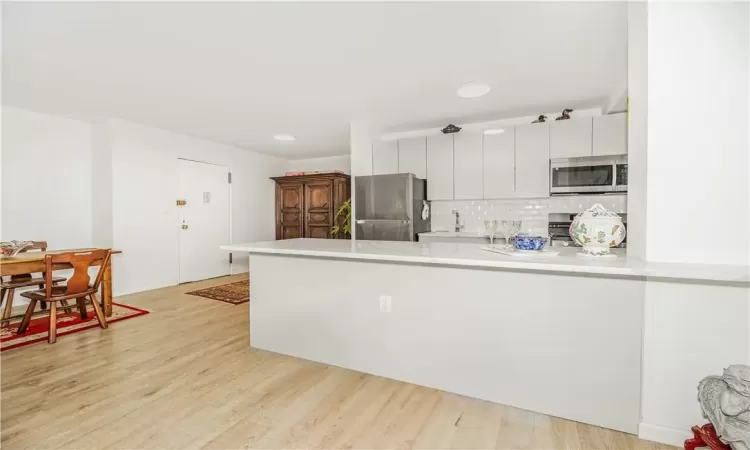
(471, 255)
(471, 234)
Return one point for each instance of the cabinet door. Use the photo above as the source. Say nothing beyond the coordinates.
(319, 209)
(440, 167)
(532, 160)
(412, 156)
(290, 211)
(610, 135)
(570, 138)
(467, 165)
(499, 152)
(384, 157)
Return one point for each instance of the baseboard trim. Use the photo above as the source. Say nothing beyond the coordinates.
(663, 435)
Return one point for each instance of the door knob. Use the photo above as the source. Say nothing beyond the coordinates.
(184, 225)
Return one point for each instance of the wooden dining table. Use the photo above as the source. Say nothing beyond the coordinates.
(33, 262)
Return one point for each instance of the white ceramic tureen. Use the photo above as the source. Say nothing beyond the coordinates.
(596, 230)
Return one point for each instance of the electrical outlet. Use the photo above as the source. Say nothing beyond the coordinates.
(385, 303)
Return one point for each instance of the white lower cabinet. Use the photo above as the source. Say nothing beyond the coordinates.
(532, 160)
(440, 167)
(412, 156)
(467, 165)
(384, 157)
(499, 167)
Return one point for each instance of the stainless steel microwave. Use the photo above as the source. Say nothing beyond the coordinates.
(588, 175)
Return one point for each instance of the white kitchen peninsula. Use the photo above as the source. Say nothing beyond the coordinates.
(557, 335)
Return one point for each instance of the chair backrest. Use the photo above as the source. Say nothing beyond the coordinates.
(36, 245)
(81, 261)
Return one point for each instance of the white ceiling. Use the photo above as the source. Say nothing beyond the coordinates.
(241, 72)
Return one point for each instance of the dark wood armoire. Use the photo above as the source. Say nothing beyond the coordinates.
(306, 205)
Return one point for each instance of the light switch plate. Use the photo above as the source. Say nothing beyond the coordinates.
(386, 303)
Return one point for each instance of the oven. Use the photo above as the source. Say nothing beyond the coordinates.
(588, 175)
(559, 230)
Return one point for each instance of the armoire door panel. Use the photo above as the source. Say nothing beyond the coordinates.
(318, 232)
(318, 203)
(292, 232)
(318, 196)
(318, 218)
(290, 215)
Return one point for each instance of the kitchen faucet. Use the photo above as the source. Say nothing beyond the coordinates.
(458, 222)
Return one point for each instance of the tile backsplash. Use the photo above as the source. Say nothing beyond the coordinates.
(533, 211)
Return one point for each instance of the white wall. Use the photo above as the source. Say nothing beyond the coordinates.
(101, 177)
(326, 164)
(534, 212)
(637, 127)
(692, 203)
(46, 170)
(113, 183)
(144, 189)
(479, 126)
(691, 330)
(698, 132)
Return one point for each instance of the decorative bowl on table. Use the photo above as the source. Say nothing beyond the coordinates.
(596, 230)
(12, 248)
(528, 243)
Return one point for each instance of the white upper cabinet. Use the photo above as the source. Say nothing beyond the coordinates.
(412, 156)
(384, 157)
(532, 160)
(610, 135)
(467, 165)
(499, 164)
(570, 138)
(440, 167)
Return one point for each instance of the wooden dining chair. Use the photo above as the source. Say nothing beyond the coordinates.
(20, 281)
(77, 287)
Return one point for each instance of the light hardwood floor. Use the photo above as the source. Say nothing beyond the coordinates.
(184, 377)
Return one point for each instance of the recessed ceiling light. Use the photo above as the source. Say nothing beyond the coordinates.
(494, 131)
(284, 137)
(473, 89)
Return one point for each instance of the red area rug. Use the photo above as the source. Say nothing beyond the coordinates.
(67, 323)
(235, 293)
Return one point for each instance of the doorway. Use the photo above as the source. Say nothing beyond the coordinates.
(203, 220)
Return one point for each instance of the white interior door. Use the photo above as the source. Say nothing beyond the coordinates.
(203, 220)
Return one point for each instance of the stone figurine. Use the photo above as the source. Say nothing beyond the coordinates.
(725, 402)
(541, 119)
(565, 114)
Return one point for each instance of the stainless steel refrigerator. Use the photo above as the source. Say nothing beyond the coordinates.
(390, 207)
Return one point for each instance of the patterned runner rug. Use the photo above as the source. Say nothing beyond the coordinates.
(235, 293)
(67, 323)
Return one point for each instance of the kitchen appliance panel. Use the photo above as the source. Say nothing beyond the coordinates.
(384, 231)
(389, 207)
(590, 175)
(383, 197)
(559, 230)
